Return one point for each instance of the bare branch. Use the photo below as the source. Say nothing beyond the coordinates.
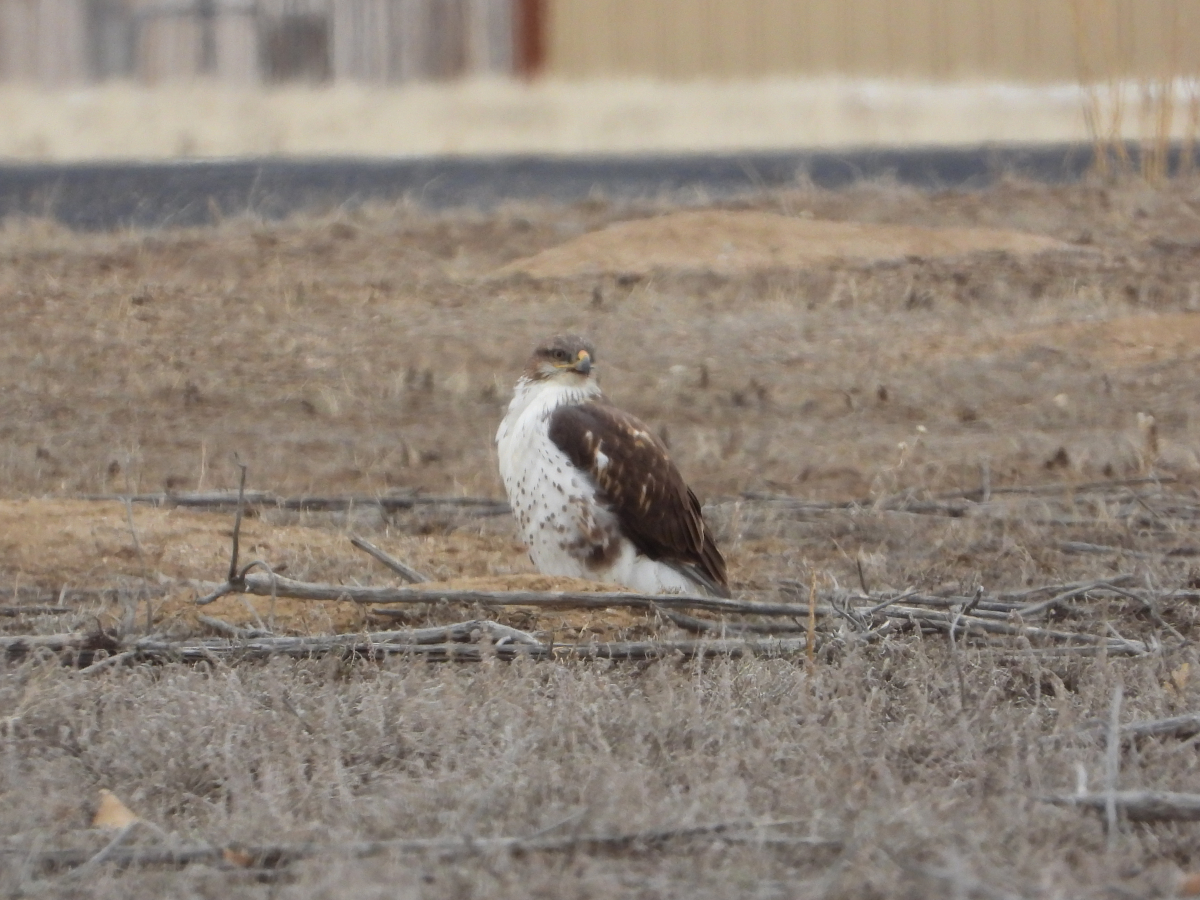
(1112, 764)
(405, 571)
(274, 855)
(1183, 727)
(1176, 726)
(237, 521)
(11, 612)
(952, 503)
(981, 621)
(450, 644)
(108, 662)
(20, 644)
(302, 590)
(1082, 547)
(229, 499)
(708, 626)
(1074, 591)
(1137, 806)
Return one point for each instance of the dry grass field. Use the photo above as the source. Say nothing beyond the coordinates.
(939, 393)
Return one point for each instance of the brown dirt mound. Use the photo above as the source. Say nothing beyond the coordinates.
(731, 242)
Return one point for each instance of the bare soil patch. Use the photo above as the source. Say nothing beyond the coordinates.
(825, 406)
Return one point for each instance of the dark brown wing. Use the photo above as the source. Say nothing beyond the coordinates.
(638, 482)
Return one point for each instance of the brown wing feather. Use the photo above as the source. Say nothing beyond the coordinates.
(640, 484)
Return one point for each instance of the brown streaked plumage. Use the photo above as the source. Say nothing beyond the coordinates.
(641, 485)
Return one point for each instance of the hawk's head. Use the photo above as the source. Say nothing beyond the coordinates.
(566, 357)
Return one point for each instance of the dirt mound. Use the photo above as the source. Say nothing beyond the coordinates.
(732, 242)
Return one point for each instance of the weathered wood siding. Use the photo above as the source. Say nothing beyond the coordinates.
(246, 41)
(44, 40)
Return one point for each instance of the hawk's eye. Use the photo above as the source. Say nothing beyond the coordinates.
(560, 355)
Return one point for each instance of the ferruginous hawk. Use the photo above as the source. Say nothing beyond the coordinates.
(594, 492)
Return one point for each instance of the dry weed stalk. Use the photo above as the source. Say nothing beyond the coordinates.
(1168, 101)
(270, 856)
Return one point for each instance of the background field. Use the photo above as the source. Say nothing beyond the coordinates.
(373, 354)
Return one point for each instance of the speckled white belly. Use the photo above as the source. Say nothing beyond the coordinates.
(548, 496)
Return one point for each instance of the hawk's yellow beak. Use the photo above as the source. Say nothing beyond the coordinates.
(583, 364)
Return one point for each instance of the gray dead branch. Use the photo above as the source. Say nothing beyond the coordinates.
(967, 616)
(12, 612)
(221, 500)
(1182, 727)
(1136, 806)
(505, 647)
(23, 644)
(1081, 547)
(957, 503)
(862, 617)
(276, 855)
(404, 570)
(266, 586)
(472, 641)
(953, 503)
(1175, 726)
(67, 597)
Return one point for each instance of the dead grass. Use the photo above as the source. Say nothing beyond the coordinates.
(373, 353)
(870, 747)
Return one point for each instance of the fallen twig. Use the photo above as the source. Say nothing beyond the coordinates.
(303, 590)
(1041, 606)
(228, 499)
(1112, 765)
(1082, 547)
(1137, 806)
(405, 571)
(108, 662)
(1017, 596)
(237, 522)
(454, 648)
(952, 503)
(58, 599)
(708, 626)
(11, 612)
(462, 642)
(20, 644)
(1175, 726)
(275, 855)
(985, 621)
(942, 622)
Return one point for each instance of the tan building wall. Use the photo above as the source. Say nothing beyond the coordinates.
(1022, 40)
